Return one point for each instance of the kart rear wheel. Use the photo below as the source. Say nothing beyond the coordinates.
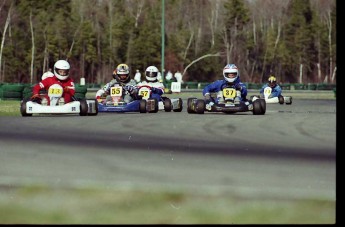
(83, 107)
(142, 106)
(167, 105)
(190, 105)
(289, 102)
(200, 106)
(23, 108)
(180, 106)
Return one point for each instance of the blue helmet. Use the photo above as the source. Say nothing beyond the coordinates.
(231, 73)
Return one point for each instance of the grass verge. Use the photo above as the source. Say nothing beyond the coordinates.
(43, 205)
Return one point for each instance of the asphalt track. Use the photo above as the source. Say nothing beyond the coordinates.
(288, 153)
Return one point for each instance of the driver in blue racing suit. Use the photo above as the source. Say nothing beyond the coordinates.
(272, 83)
(231, 80)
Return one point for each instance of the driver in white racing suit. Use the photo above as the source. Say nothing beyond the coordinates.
(231, 80)
(121, 77)
(157, 88)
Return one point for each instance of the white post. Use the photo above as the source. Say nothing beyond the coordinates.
(300, 73)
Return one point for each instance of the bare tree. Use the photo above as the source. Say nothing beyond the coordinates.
(2, 78)
(32, 49)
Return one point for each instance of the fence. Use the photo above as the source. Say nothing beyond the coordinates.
(18, 91)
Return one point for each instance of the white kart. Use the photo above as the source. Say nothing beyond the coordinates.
(164, 103)
(82, 107)
(280, 99)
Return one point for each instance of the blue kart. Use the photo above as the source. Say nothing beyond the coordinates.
(226, 104)
(117, 104)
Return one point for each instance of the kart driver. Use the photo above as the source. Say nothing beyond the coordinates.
(272, 83)
(61, 77)
(121, 76)
(231, 80)
(157, 88)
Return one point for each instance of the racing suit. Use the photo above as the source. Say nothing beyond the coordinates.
(219, 85)
(276, 91)
(67, 85)
(127, 95)
(157, 88)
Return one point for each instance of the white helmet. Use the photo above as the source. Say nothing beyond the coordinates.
(151, 73)
(61, 67)
(230, 73)
(47, 74)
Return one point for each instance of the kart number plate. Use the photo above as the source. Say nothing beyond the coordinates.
(229, 93)
(116, 91)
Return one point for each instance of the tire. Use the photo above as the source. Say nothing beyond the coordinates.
(180, 106)
(289, 103)
(142, 106)
(200, 106)
(96, 107)
(83, 107)
(190, 105)
(281, 99)
(167, 105)
(23, 108)
(156, 106)
(263, 105)
(258, 108)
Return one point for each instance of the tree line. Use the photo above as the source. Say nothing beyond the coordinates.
(293, 39)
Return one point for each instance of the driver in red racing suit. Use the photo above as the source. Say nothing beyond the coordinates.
(61, 77)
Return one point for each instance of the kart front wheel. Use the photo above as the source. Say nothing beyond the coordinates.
(200, 106)
(259, 107)
(155, 103)
(142, 106)
(167, 105)
(190, 104)
(23, 108)
(281, 99)
(180, 106)
(84, 108)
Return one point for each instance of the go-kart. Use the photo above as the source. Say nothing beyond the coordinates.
(266, 95)
(83, 107)
(228, 103)
(117, 104)
(164, 103)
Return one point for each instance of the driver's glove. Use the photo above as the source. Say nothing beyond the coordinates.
(129, 88)
(207, 97)
(36, 98)
(238, 87)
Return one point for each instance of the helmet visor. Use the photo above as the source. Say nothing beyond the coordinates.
(230, 75)
(272, 83)
(151, 74)
(62, 72)
(123, 76)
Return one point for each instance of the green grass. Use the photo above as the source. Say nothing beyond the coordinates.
(10, 108)
(42, 205)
